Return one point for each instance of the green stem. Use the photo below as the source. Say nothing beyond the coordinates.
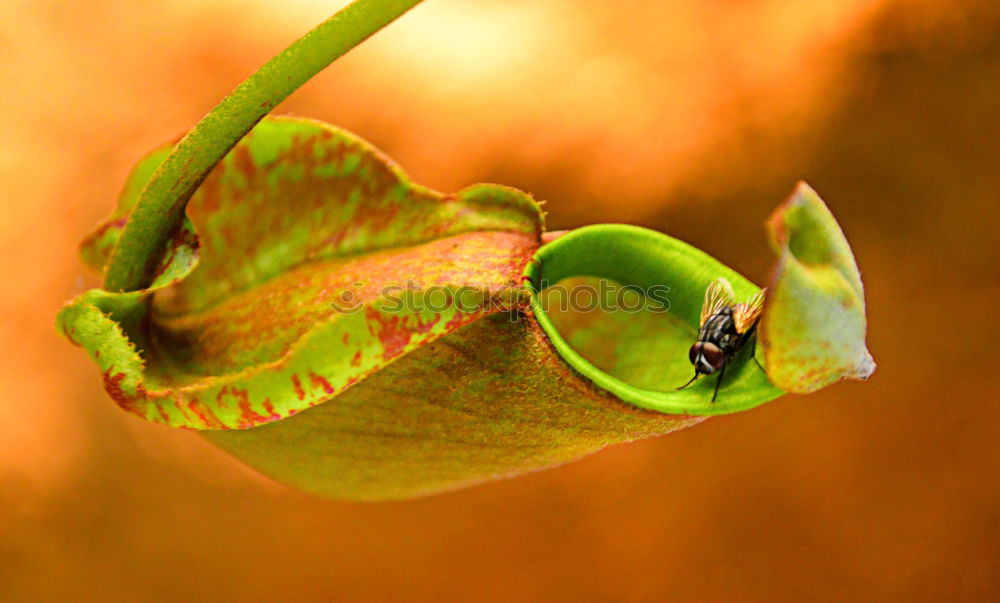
(160, 207)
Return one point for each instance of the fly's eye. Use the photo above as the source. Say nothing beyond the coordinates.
(693, 353)
(712, 356)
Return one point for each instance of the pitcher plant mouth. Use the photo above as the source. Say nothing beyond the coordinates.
(620, 304)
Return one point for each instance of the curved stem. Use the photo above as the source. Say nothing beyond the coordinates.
(158, 212)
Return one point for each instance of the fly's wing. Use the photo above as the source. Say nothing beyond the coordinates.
(718, 295)
(745, 315)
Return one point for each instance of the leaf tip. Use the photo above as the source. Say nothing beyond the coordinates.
(814, 324)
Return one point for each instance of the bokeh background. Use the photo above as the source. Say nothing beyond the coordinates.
(695, 117)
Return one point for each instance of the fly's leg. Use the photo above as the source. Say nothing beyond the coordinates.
(753, 354)
(718, 381)
(752, 333)
(688, 383)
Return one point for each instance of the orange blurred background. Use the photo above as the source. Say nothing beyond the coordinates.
(694, 117)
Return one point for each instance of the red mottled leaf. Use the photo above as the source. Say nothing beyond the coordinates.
(298, 219)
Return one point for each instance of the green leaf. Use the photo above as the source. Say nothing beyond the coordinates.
(642, 356)
(359, 336)
(814, 324)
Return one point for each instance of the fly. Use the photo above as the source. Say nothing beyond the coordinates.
(725, 327)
